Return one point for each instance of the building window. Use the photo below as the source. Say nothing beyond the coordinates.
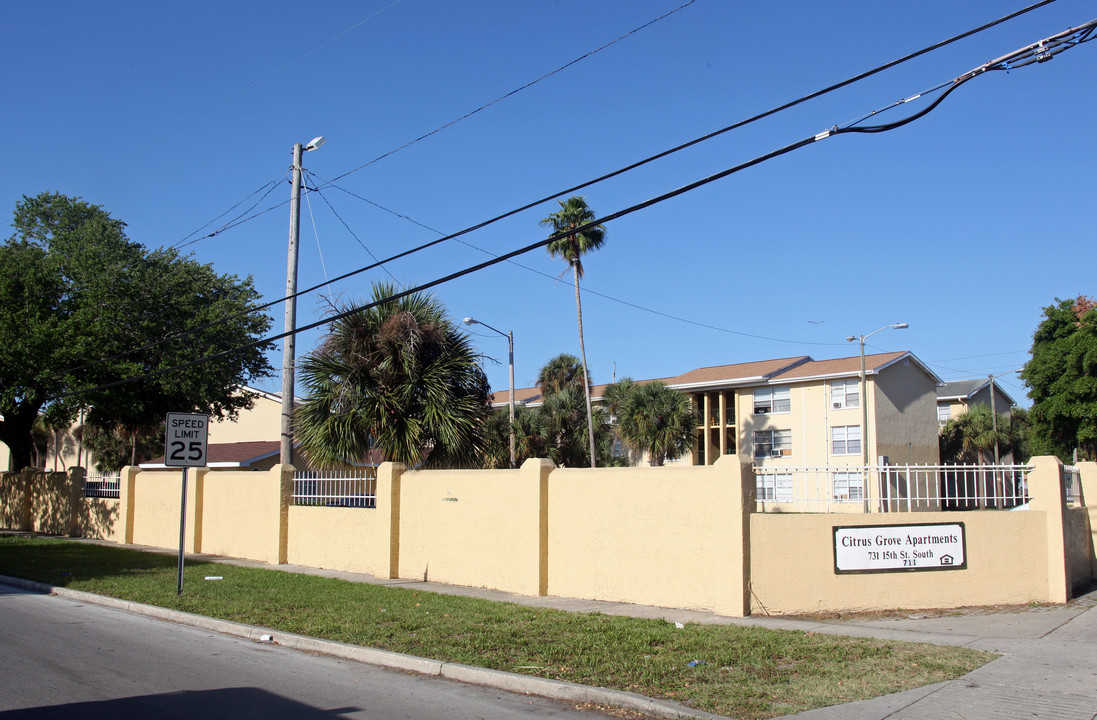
(769, 400)
(845, 440)
(845, 394)
(774, 488)
(772, 443)
(944, 414)
(848, 487)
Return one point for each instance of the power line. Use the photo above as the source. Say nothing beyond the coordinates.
(462, 117)
(695, 141)
(652, 158)
(1064, 40)
(268, 186)
(356, 238)
(587, 288)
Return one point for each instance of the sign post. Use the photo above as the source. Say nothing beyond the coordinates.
(185, 447)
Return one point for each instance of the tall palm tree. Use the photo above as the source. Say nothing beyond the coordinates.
(400, 374)
(574, 213)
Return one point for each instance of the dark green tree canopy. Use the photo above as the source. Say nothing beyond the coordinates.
(81, 303)
(399, 376)
(1062, 380)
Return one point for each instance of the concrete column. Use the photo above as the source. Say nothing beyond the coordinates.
(1045, 485)
(77, 501)
(534, 476)
(389, 476)
(734, 503)
(127, 495)
(26, 483)
(1087, 472)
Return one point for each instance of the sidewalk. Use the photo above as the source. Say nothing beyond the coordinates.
(1048, 668)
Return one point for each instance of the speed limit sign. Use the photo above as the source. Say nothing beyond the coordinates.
(185, 440)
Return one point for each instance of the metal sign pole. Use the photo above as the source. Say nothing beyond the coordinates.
(182, 528)
(184, 447)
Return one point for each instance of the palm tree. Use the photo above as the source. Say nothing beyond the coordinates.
(560, 372)
(653, 418)
(573, 243)
(398, 376)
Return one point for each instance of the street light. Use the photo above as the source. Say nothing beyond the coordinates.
(289, 347)
(864, 385)
(510, 348)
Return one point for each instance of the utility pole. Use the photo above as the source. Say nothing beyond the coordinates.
(289, 343)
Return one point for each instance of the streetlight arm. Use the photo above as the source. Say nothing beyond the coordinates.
(474, 321)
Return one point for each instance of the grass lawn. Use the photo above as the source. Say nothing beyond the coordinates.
(744, 672)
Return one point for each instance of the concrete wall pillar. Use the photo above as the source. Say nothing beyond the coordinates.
(127, 495)
(389, 476)
(734, 503)
(76, 499)
(1045, 485)
(1087, 474)
(534, 476)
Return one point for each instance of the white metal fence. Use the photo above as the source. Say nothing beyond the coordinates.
(341, 488)
(1073, 481)
(102, 486)
(897, 488)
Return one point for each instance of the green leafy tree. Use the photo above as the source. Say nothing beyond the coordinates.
(399, 376)
(85, 307)
(652, 418)
(573, 214)
(114, 448)
(1062, 380)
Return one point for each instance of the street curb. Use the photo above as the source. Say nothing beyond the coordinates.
(498, 679)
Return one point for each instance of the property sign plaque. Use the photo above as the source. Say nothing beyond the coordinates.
(899, 548)
(185, 440)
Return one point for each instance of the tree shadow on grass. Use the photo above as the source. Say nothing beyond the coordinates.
(61, 563)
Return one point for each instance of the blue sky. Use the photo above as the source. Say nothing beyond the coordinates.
(964, 224)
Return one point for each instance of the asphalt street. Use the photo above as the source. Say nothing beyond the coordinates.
(66, 659)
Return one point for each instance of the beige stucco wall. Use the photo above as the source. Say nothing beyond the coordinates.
(792, 566)
(905, 402)
(53, 503)
(14, 501)
(674, 536)
(472, 527)
(155, 508)
(241, 514)
(640, 535)
(349, 539)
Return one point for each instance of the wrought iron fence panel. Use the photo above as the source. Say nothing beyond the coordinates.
(339, 488)
(892, 488)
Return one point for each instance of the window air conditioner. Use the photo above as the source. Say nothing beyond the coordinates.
(837, 406)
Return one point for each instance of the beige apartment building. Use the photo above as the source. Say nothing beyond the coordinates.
(799, 412)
